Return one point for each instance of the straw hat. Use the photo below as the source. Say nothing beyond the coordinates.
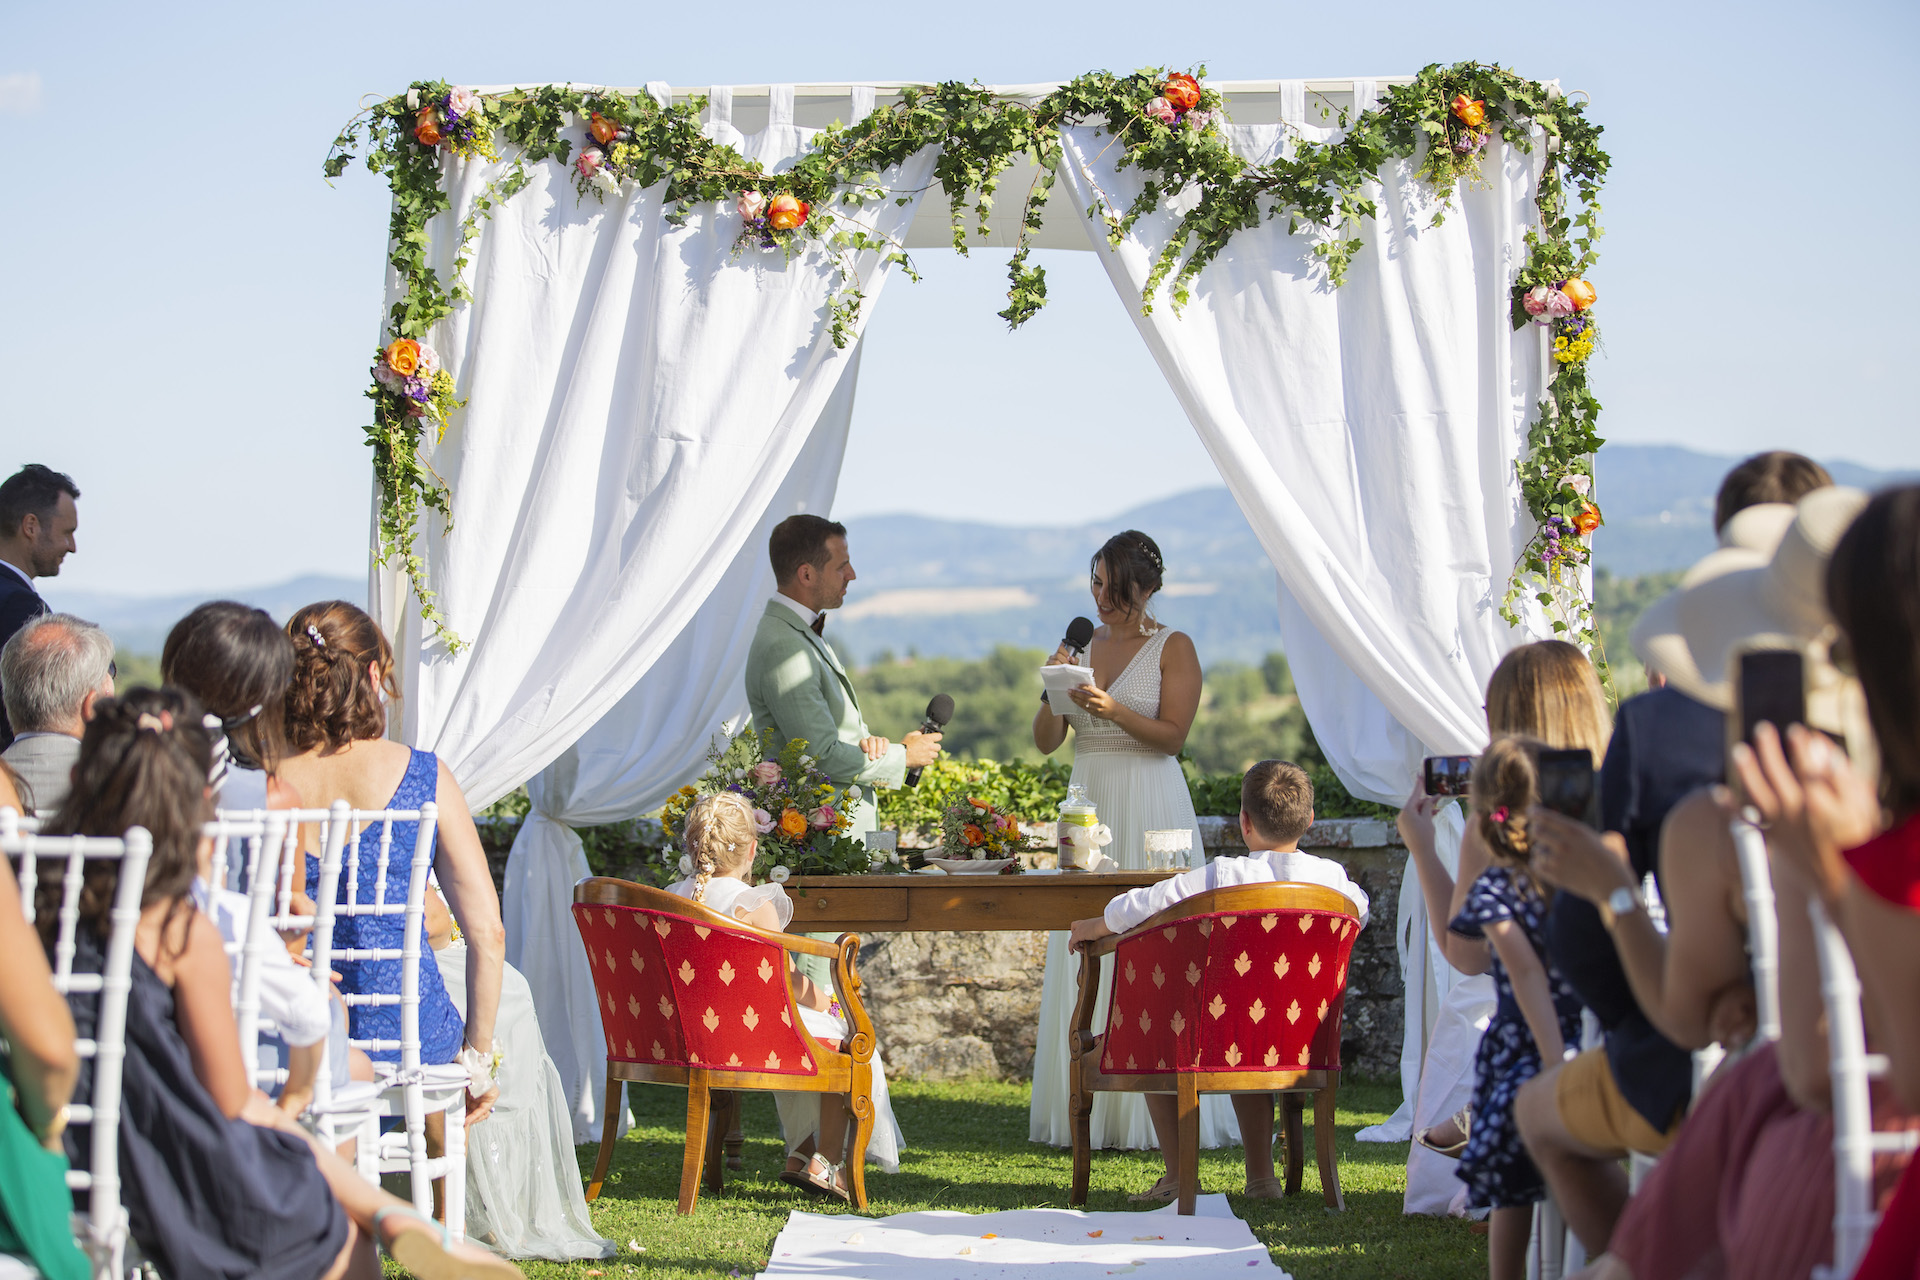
(1747, 541)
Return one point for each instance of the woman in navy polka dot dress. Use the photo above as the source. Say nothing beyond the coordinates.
(1537, 1014)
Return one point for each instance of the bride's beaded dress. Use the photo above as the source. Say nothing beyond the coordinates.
(1135, 789)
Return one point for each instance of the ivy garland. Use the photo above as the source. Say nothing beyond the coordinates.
(1166, 124)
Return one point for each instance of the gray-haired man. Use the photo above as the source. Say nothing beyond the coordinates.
(51, 673)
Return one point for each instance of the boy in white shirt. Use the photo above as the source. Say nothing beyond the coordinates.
(1276, 808)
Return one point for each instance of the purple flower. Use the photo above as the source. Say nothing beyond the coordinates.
(1469, 141)
(417, 389)
(1197, 120)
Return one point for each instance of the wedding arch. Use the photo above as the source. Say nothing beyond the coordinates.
(623, 337)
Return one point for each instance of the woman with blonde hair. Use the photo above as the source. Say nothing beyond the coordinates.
(721, 841)
(1548, 691)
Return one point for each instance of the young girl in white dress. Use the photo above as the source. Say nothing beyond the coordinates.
(1127, 730)
(721, 842)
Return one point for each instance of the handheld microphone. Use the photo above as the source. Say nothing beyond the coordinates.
(939, 711)
(1079, 636)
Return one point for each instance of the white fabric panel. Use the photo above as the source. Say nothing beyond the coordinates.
(652, 741)
(638, 394)
(1368, 432)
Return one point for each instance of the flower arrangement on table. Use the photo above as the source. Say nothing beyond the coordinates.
(802, 818)
(974, 831)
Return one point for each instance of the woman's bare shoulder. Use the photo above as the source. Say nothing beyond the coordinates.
(1178, 648)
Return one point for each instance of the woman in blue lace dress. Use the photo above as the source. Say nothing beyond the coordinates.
(336, 719)
(1536, 1014)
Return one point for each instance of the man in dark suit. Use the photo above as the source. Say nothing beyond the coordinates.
(37, 523)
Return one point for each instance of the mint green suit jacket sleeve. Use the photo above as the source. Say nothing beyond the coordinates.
(794, 691)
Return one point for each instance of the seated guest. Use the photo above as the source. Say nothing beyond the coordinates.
(37, 522)
(336, 719)
(36, 1080)
(721, 843)
(1276, 808)
(239, 663)
(217, 1182)
(51, 673)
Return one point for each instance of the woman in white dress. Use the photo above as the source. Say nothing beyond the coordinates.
(1127, 727)
(721, 842)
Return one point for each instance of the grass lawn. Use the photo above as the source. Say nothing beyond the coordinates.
(968, 1150)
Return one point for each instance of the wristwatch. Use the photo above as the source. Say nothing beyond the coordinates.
(1621, 902)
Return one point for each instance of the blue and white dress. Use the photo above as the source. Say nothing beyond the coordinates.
(1495, 1166)
(442, 1029)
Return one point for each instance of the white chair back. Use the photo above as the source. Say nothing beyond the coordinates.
(1763, 921)
(12, 822)
(1850, 1068)
(106, 1221)
(253, 844)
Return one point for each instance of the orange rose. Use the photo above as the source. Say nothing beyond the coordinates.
(975, 837)
(1472, 112)
(602, 129)
(1588, 520)
(784, 212)
(403, 357)
(1579, 292)
(426, 128)
(980, 804)
(1181, 91)
(793, 823)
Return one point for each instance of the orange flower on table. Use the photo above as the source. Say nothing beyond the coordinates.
(426, 127)
(602, 129)
(1587, 520)
(793, 823)
(1579, 293)
(784, 212)
(1471, 112)
(403, 357)
(1181, 91)
(973, 835)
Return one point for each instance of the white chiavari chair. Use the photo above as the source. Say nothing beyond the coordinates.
(414, 1090)
(102, 1230)
(1851, 1069)
(246, 849)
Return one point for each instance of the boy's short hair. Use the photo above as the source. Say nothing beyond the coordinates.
(1277, 798)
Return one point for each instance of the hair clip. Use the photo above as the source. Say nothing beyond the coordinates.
(242, 718)
(313, 633)
(1499, 815)
(157, 723)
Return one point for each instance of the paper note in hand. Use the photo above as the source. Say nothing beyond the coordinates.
(1058, 680)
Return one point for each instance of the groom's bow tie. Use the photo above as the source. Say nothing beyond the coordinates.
(819, 623)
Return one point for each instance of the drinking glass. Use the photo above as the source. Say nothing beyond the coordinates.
(1167, 850)
(881, 846)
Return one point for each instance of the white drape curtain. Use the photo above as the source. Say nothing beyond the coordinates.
(638, 395)
(1368, 432)
(630, 762)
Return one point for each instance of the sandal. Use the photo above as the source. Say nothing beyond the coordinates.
(432, 1259)
(828, 1181)
(795, 1175)
(1463, 1121)
(1167, 1190)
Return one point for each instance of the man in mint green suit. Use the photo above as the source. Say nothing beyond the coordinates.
(796, 684)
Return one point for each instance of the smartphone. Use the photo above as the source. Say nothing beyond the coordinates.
(1448, 775)
(1567, 784)
(1771, 687)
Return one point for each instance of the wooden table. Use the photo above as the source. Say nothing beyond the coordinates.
(915, 903)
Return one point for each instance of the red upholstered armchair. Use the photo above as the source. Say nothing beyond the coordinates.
(693, 998)
(1235, 990)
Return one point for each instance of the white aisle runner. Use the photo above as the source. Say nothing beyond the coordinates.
(1059, 1244)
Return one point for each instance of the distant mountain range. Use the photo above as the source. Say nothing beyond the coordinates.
(954, 588)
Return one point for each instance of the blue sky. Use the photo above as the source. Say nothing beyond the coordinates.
(188, 307)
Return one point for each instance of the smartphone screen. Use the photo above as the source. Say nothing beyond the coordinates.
(1773, 688)
(1449, 775)
(1567, 784)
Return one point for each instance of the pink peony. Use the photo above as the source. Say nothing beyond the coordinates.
(1559, 304)
(429, 362)
(1162, 110)
(1580, 484)
(751, 204)
(463, 101)
(589, 162)
(384, 375)
(762, 821)
(1536, 300)
(823, 817)
(766, 773)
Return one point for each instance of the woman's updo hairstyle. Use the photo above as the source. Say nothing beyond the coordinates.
(1873, 589)
(143, 763)
(719, 830)
(332, 699)
(1135, 570)
(238, 662)
(1506, 784)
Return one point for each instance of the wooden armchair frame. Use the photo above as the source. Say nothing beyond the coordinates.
(1087, 1077)
(712, 1100)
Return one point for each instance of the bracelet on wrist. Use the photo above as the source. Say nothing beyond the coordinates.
(483, 1068)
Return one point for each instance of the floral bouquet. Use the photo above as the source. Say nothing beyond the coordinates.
(454, 119)
(411, 383)
(971, 830)
(768, 222)
(1180, 102)
(1562, 307)
(800, 815)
